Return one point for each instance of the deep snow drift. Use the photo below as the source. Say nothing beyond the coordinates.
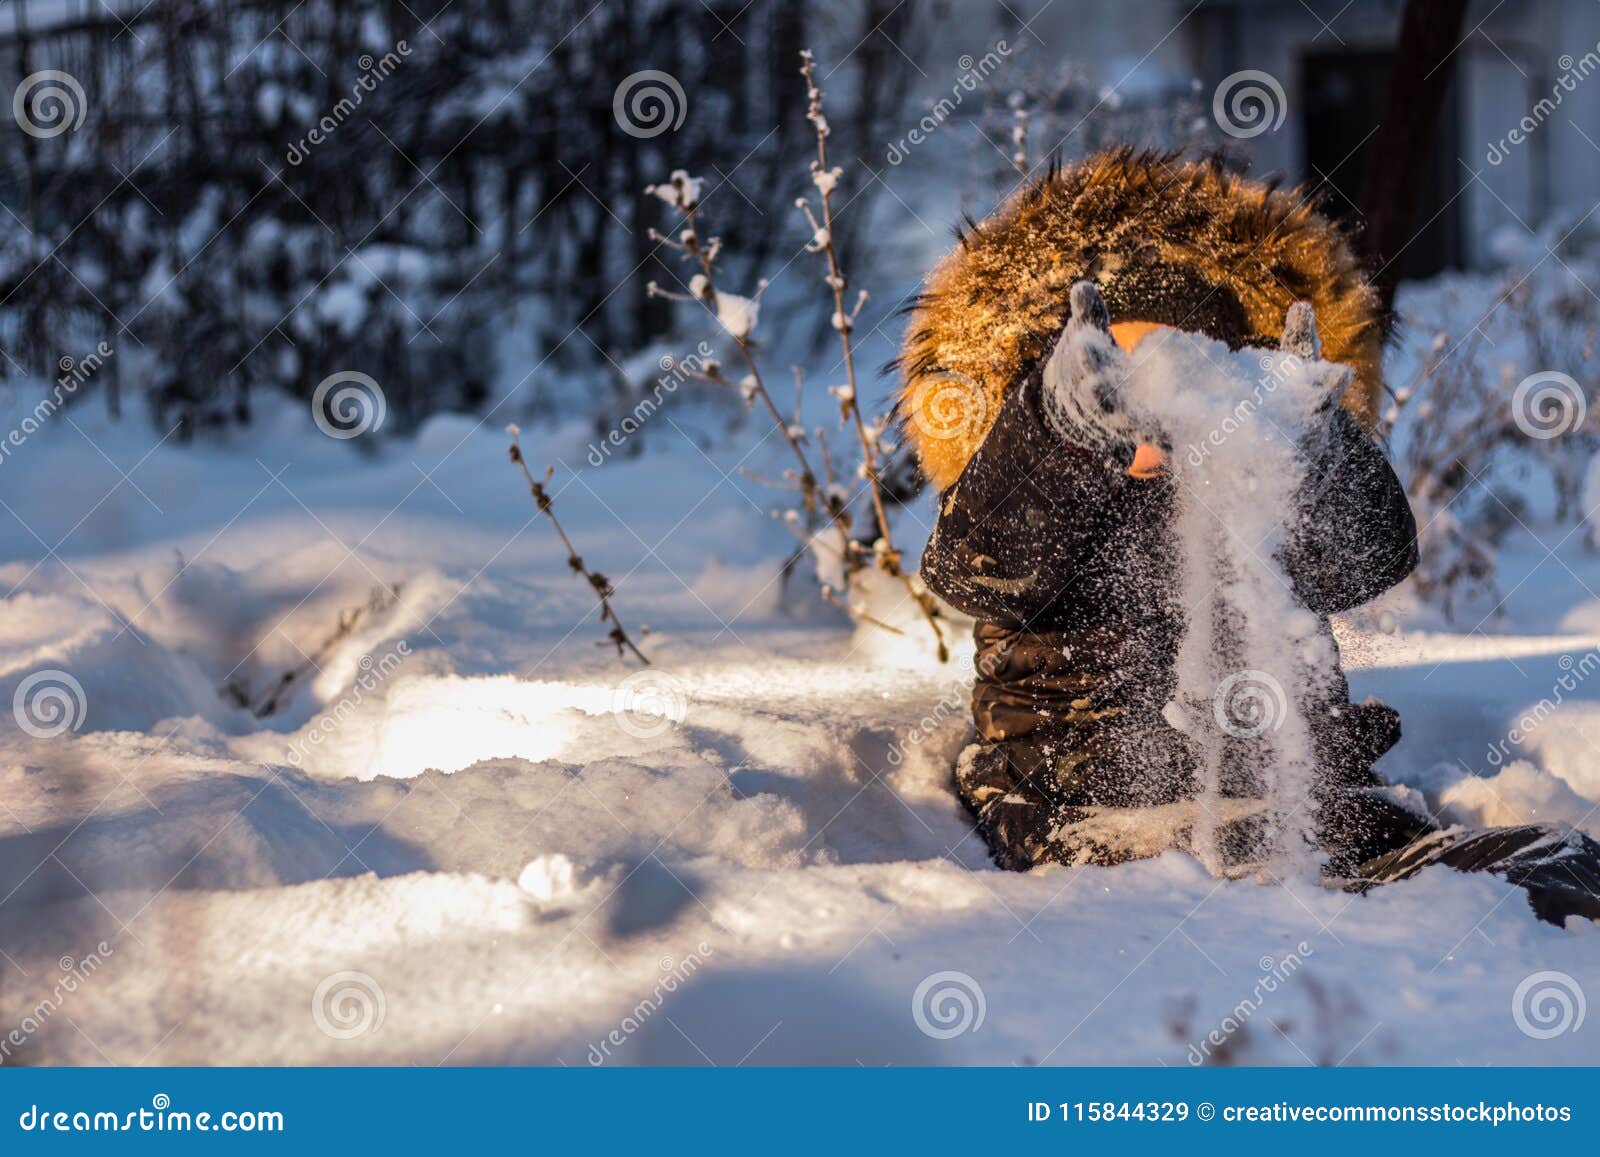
(471, 835)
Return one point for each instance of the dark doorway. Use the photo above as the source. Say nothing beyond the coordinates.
(1343, 97)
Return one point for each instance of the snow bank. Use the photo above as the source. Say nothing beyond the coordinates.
(509, 848)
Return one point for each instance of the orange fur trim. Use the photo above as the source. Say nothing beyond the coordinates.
(993, 307)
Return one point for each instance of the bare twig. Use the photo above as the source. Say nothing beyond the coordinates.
(237, 692)
(1460, 426)
(1019, 134)
(829, 595)
(826, 180)
(603, 590)
(820, 493)
(1401, 398)
(704, 254)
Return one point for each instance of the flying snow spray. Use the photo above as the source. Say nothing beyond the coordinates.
(1240, 429)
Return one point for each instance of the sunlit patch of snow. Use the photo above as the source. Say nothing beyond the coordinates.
(448, 724)
(1519, 793)
(796, 816)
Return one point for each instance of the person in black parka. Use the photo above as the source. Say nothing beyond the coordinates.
(1064, 554)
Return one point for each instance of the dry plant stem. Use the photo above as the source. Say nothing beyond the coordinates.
(1402, 397)
(598, 582)
(844, 322)
(807, 479)
(1439, 465)
(380, 600)
(1019, 138)
(829, 596)
(706, 257)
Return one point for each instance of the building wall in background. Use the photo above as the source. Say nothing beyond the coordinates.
(1513, 54)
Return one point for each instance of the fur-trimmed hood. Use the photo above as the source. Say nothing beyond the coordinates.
(1183, 243)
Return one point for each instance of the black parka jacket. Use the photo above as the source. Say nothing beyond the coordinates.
(1069, 565)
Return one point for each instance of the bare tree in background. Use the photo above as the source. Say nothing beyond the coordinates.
(1424, 63)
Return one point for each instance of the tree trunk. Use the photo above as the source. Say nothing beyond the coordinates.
(1424, 63)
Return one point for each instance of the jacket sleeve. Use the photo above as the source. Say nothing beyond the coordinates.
(1355, 536)
(1018, 529)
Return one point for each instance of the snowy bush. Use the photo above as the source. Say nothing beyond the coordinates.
(852, 567)
(1492, 415)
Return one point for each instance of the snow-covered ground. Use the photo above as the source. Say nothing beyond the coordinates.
(472, 835)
